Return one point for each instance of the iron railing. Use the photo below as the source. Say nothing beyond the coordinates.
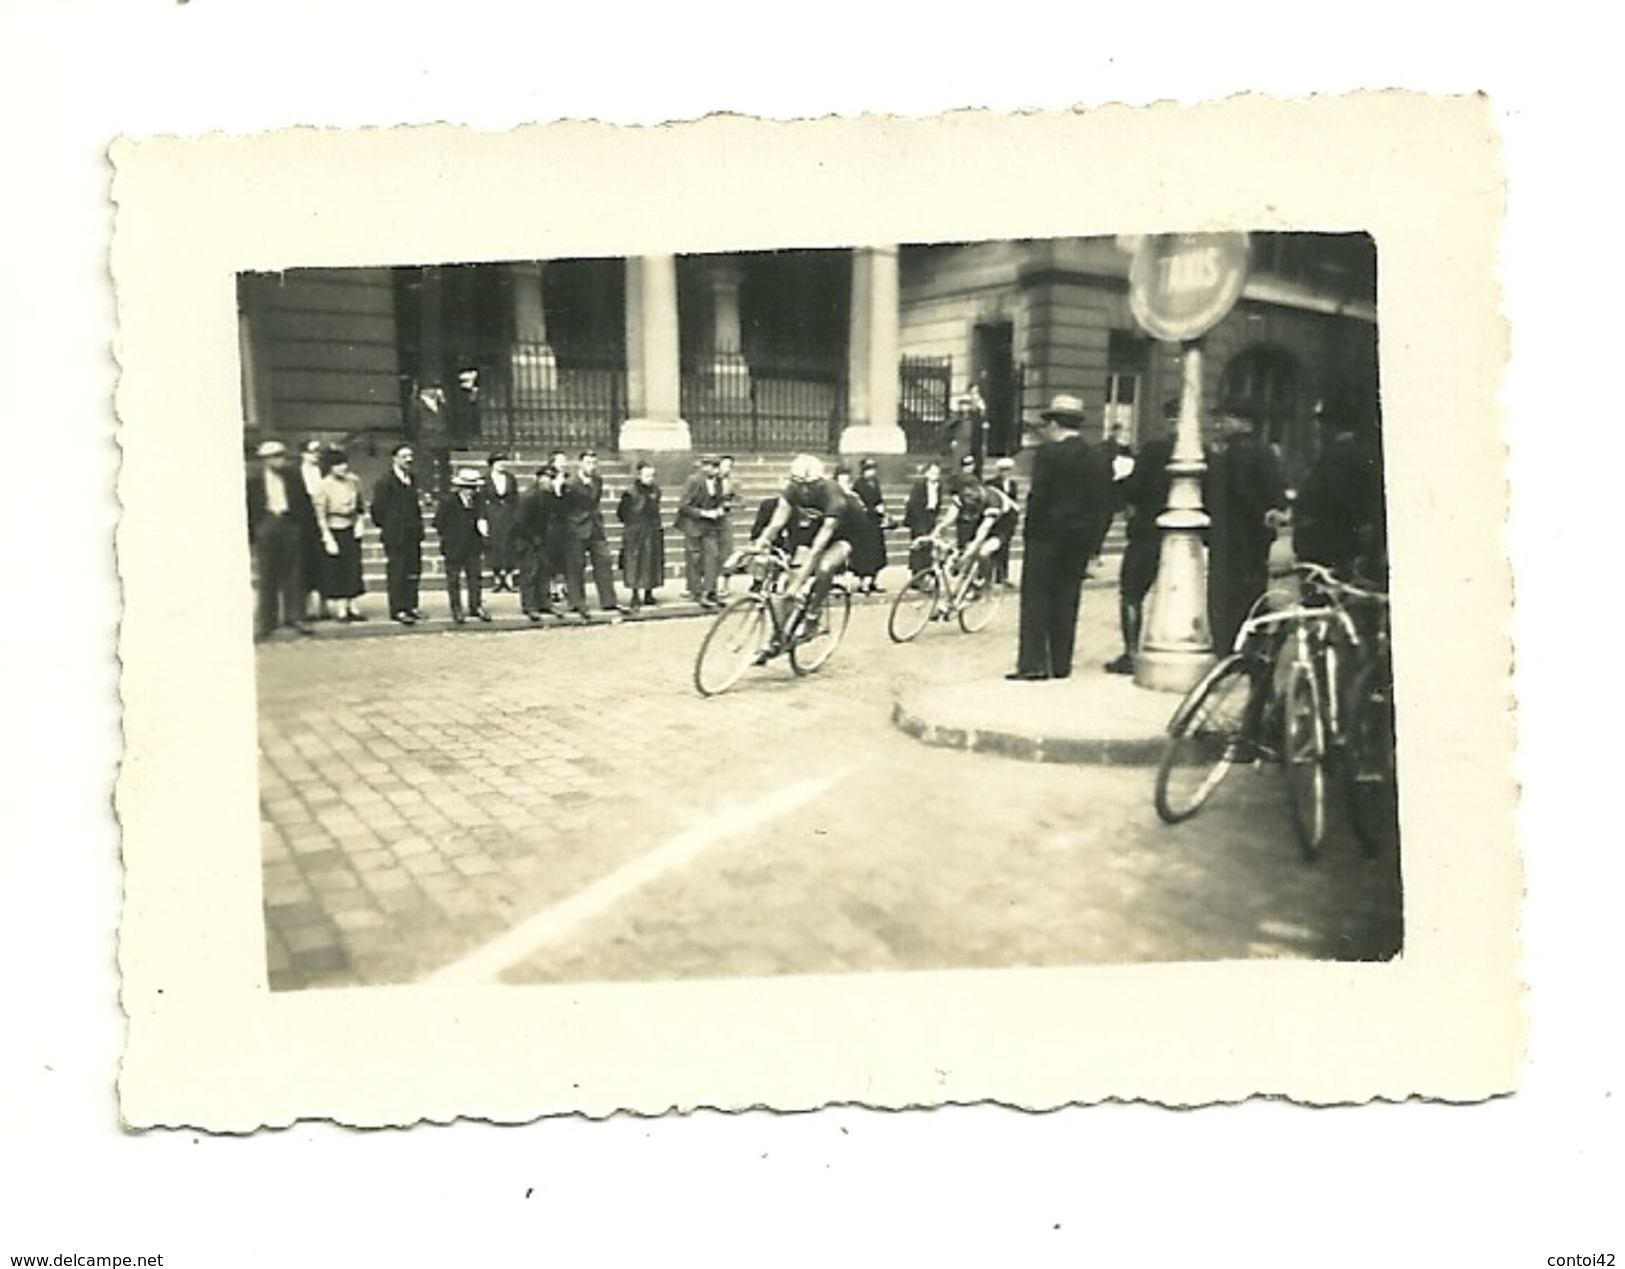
(534, 398)
(764, 406)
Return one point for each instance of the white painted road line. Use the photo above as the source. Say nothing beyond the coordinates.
(562, 919)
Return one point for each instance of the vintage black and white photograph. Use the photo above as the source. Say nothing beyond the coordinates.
(822, 611)
(772, 638)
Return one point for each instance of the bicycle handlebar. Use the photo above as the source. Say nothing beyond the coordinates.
(1325, 578)
(772, 556)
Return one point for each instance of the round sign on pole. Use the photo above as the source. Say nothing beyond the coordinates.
(1182, 285)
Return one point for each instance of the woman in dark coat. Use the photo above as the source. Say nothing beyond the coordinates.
(869, 551)
(499, 496)
(643, 548)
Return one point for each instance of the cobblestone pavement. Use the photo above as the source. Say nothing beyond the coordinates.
(567, 791)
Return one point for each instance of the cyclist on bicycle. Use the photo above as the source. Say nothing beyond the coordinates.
(810, 494)
(973, 507)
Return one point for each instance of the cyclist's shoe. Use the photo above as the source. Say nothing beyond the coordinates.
(1122, 665)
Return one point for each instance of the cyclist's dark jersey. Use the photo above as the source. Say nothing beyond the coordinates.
(975, 500)
(821, 500)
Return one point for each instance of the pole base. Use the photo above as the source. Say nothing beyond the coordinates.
(1170, 670)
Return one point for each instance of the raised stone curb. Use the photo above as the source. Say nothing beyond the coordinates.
(1105, 723)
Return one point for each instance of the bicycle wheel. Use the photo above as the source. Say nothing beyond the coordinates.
(1303, 752)
(1369, 785)
(737, 635)
(1208, 736)
(914, 606)
(980, 602)
(821, 631)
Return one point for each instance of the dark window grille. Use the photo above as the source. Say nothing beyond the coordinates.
(534, 398)
(780, 405)
(925, 389)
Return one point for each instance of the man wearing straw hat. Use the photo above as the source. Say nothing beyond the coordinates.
(460, 521)
(1068, 502)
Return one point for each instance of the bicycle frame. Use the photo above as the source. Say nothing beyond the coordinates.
(955, 568)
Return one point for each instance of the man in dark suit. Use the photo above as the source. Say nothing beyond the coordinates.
(1337, 515)
(1246, 497)
(460, 521)
(700, 510)
(399, 517)
(429, 428)
(586, 539)
(920, 514)
(280, 514)
(1070, 494)
(538, 538)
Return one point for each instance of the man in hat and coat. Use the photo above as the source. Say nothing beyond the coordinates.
(399, 517)
(460, 521)
(429, 428)
(1246, 498)
(1069, 501)
(280, 515)
(538, 537)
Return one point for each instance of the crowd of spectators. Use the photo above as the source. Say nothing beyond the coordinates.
(537, 534)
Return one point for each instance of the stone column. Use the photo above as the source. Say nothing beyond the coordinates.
(730, 373)
(872, 372)
(431, 345)
(535, 371)
(653, 375)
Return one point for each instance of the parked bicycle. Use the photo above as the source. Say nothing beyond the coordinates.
(1371, 789)
(953, 586)
(1326, 653)
(754, 629)
(1300, 680)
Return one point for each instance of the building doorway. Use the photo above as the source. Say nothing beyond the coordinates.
(994, 374)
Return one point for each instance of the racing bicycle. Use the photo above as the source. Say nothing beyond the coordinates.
(952, 586)
(768, 622)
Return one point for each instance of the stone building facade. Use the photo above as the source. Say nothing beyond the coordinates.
(857, 350)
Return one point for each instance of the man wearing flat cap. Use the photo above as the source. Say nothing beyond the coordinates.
(279, 516)
(700, 512)
(1068, 504)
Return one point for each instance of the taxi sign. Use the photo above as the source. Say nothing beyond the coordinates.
(1182, 285)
